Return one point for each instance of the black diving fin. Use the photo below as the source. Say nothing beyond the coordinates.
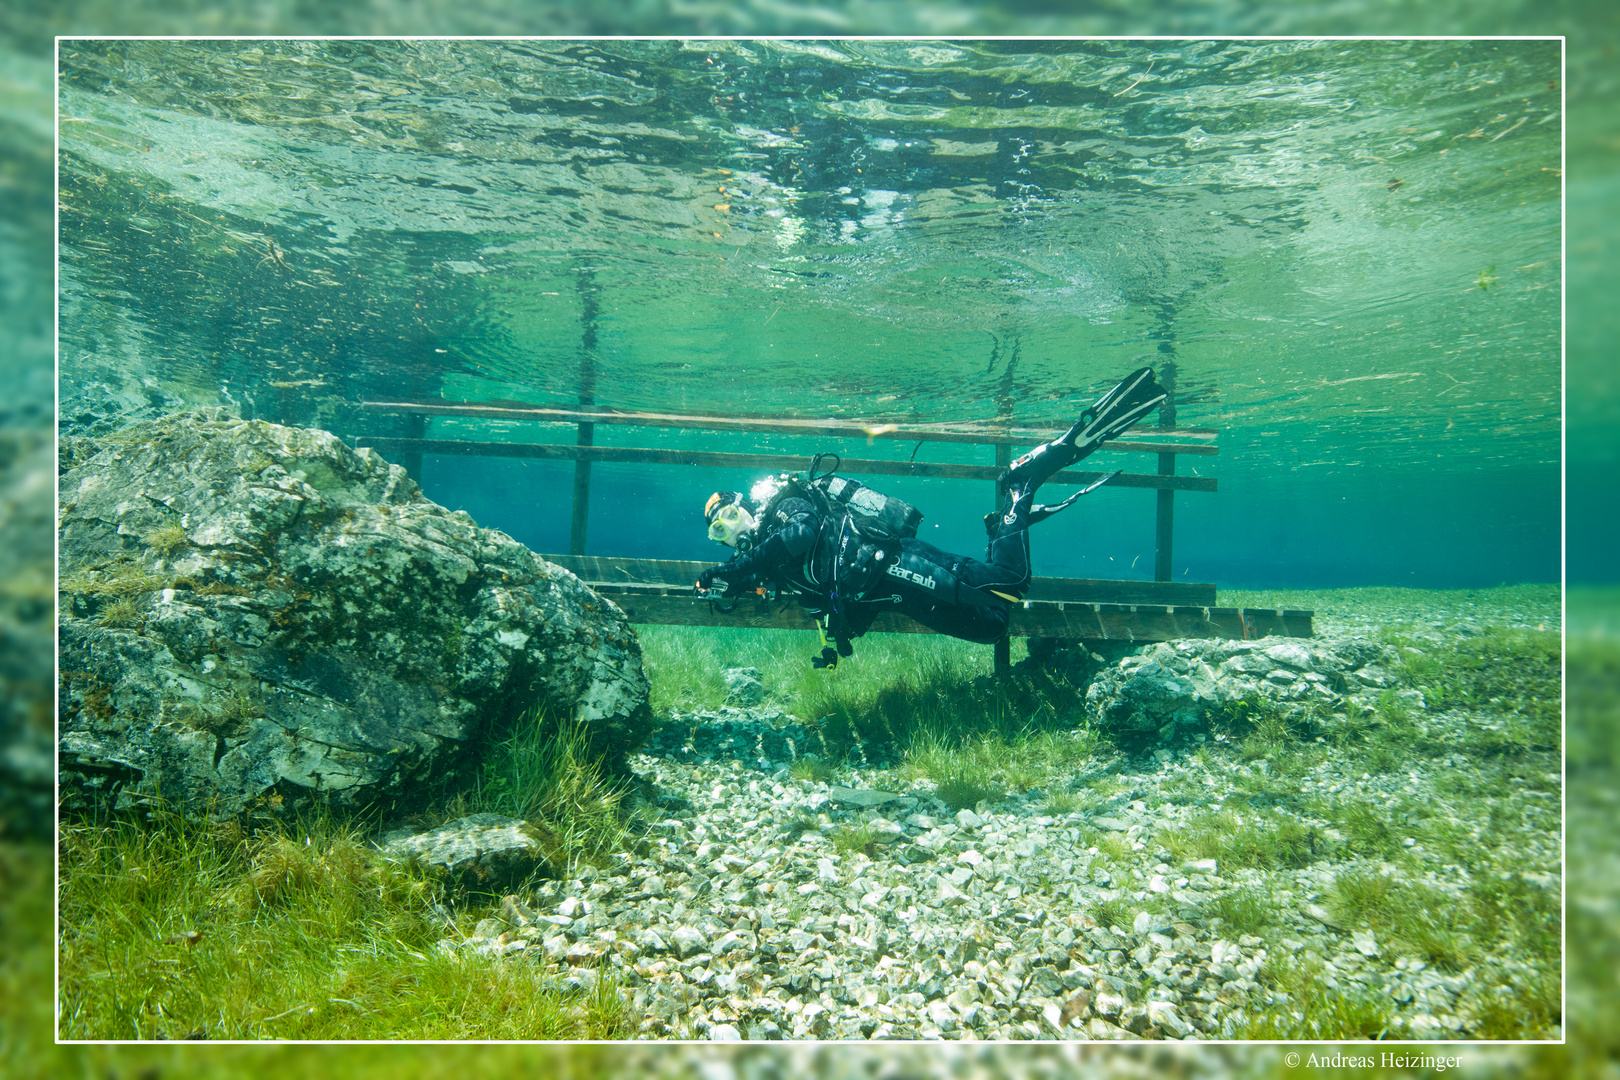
(1040, 512)
(1138, 394)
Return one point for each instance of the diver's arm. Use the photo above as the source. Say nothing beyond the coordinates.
(792, 541)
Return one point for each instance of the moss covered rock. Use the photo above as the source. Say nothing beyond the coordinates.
(254, 613)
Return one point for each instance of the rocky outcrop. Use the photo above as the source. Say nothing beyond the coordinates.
(255, 612)
(1174, 686)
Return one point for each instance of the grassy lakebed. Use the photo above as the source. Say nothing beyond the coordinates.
(1393, 875)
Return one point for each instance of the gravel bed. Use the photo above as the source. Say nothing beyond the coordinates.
(745, 915)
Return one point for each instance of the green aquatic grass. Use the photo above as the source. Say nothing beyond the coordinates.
(1492, 604)
(172, 928)
(26, 961)
(849, 839)
(1496, 917)
(895, 686)
(544, 772)
(1242, 911)
(1511, 677)
(812, 769)
(1112, 913)
(963, 773)
(685, 664)
(166, 540)
(1253, 840)
(1313, 1009)
(1366, 831)
(968, 770)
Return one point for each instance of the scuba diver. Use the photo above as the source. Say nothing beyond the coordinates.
(851, 553)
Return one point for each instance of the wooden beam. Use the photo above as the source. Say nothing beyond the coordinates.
(1084, 622)
(776, 462)
(851, 429)
(1003, 658)
(411, 461)
(580, 522)
(1164, 535)
(656, 574)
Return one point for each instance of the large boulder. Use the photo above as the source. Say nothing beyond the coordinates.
(1174, 685)
(254, 614)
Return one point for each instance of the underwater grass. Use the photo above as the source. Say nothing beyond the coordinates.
(1498, 915)
(967, 770)
(25, 962)
(1513, 677)
(1313, 1010)
(173, 929)
(686, 664)
(545, 773)
(1539, 601)
(1242, 911)
(1253, 840)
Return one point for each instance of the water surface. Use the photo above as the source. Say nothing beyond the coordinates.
(1344, 254)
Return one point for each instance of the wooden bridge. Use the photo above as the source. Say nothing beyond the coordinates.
(660, 590)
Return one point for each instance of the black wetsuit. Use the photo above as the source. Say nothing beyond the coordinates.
(852, 580)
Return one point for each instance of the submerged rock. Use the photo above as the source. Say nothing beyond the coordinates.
(482, 848)
(744, 686)
(254, 611)
(1175, 685)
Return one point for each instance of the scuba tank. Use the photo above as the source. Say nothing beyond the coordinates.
(872, 514)
(863, 526)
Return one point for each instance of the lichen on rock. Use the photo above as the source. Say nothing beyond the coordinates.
(251, 611)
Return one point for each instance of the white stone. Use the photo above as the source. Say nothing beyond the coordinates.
(1163, 1013)
(688, 941)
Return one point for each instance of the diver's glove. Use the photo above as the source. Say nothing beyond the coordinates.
(736, 583)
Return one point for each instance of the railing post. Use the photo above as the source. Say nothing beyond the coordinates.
(1166, 523)
(415, 428)
(582, 494)
(588, 291)
(1165, 530)
(1004, 646)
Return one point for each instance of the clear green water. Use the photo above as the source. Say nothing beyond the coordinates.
(1346, 255)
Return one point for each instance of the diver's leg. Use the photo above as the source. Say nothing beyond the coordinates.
(1110, 416)
(1006, 556)
(926, 584)
(970, 622)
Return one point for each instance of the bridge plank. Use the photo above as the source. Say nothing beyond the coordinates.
(981, 434)
(774, 462)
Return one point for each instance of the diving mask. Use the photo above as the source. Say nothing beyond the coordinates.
(730, 524)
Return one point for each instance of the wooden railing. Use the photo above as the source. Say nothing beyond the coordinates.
(660, 590)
